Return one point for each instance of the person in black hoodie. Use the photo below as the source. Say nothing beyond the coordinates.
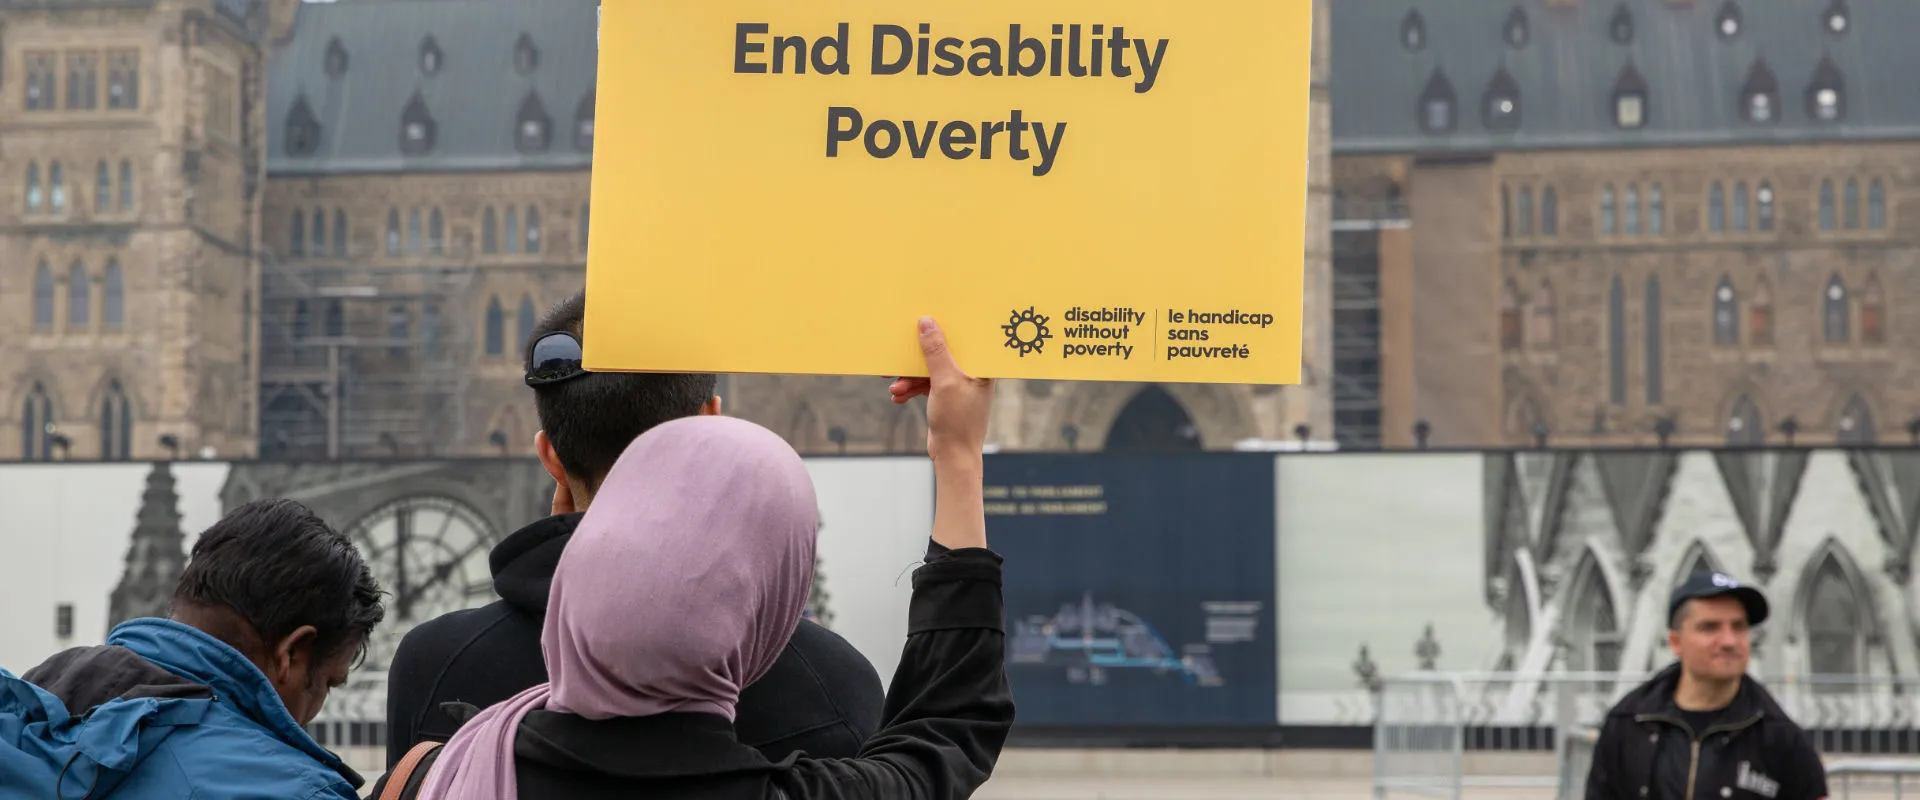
(821, 697)
(680, 588)
(1701, 729)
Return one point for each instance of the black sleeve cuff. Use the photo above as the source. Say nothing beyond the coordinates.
(936, 550)
(959, 590)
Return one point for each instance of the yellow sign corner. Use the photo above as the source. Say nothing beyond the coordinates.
(1075, 189)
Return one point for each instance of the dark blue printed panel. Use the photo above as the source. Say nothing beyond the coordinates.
(1140, 591)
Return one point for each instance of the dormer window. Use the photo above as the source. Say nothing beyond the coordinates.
(1727, 22)
(532, 125)
(417, 128)
(1501, 110)
(1516, 28)
(583, 125)
(1413, 32)
(1760, 96)
(1826, 94)
(336, 58)
(1836, 17)
(429, 57)
(1436, 104)
(1630, 99)
(526, 58)
(1621, 26)
(302, 129)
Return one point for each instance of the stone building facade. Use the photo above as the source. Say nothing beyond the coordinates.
(323, 230)
(130, 141)
(1599, 223)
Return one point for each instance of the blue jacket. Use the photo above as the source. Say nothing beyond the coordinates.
(161, 710)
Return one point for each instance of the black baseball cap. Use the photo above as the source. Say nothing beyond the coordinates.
(1717, 584)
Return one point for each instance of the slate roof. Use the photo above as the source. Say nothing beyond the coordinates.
(1569, 65)
(474, 98)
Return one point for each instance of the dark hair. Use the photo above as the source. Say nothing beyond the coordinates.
(591, 419)
(279, 567)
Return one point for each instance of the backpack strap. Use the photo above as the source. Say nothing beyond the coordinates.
(403, 772)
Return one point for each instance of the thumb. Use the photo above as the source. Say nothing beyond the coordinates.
(933, 345)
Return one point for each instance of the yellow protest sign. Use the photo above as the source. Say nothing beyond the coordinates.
(1076, 189)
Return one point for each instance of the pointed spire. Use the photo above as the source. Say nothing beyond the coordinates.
(156, 553)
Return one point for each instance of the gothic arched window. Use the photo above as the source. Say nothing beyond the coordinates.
(1856, 422)
(1835, 320)
(116, 425)
(1510, 326)
(36, 416)
(1617, 343)
(1650, 316)
(1744, 427)
(1726, 313)
(496, 327)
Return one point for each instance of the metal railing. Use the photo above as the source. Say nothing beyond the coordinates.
(1439, 734)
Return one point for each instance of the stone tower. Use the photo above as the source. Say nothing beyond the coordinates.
(155, 553)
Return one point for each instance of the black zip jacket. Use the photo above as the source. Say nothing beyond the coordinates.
(1754, 751)
(821, 697)
(947, 717)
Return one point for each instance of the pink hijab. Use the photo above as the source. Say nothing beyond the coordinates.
(682, 584)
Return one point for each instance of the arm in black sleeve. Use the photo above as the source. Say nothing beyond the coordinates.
(949, 708)
(1805, 775)
(1603, 772)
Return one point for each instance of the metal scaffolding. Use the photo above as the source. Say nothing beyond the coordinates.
(1357, 223)
(358, 360)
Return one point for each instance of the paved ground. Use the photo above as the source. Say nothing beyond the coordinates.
(1271, 788)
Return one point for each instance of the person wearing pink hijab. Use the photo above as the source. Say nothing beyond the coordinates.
(682, 585)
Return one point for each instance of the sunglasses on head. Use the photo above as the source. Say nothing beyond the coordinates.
(553, 358)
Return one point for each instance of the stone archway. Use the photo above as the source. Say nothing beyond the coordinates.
(1218, 414)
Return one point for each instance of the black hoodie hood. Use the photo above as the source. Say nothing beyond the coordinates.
(523, 564)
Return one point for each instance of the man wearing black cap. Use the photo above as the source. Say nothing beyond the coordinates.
(1701, 729)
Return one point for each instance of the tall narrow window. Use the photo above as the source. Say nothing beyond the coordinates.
(1763, 203)
(43, 297)
(584, 227)
(33, 186)
(79, 296)
(1542, 334)
(416, 239)
(83, 81)
(1852, 208)
(1834, 312)
(1656, 211)
(528, 318)
(1876, 204)
(513, 230)
(123, 79)
(1549, 212)
(533, 229)
(40, 82)
(489, 232)
(57, 188)
(102, 188)
(339, 233)
(1633, 209)
(436, 233)
(113, 305)
(1740, 206)
(116, 425)
(1726, 313)
(399, 323)
(1607, 226)
(1651, 319)
(335, 323)
(1617, 343)
(393, 232)
(1509, 316)
(583, 124)
(1872, 311)
(1506, 213)
(496, 327)
(1827, 217)
(1717, 207)
(1760, 313)
(319, 231)
(297, 234)
(36, 418)
(1630, 98)
(126, 185)
(1526, 211)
